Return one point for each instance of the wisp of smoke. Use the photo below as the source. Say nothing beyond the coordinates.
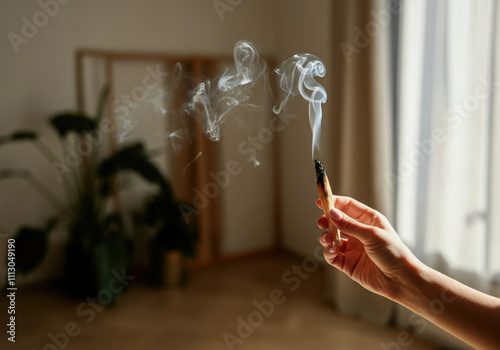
(177, 124)
(215, 99)
(162, 100)
(296, 75)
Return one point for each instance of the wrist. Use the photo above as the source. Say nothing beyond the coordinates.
(416, 287)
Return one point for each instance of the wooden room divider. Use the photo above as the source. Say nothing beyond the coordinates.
(186, 169)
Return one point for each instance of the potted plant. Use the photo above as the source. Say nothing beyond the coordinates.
(96, 244)
(174, 240)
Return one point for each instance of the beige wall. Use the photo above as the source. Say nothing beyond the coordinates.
(39, 81)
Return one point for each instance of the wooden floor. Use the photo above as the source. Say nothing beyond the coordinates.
(198, 316)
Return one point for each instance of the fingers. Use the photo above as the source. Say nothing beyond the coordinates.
(349, 226)
(349, 205)
(358, 211)
(335, 256)
(330, 253)
(326, 239)
(318, 203)
(361, 212)
(322, 222)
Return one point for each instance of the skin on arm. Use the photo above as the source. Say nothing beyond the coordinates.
(373, 255)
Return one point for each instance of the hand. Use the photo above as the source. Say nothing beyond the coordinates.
(372, 253)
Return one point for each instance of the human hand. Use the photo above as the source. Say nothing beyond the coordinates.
(371, 253)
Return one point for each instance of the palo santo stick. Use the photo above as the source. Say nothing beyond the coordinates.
(325, 194)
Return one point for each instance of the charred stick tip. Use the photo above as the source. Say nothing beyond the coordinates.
(320, 171)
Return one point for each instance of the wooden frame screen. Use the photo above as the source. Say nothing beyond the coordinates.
(209, 219)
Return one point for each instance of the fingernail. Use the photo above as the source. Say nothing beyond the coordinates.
(332, 250)
(327, 238)
(336, 214)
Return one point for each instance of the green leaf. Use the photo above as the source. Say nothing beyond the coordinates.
(65, 123)
(101, 104)
(31, 248)
(22, 135)
(134, 158)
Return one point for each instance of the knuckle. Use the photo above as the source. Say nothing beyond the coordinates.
(374, 231)
(347, 206)
(347, 223)
(378, 218)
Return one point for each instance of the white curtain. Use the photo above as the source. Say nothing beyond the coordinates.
(448, 134)
(448, 161)
(446, 176)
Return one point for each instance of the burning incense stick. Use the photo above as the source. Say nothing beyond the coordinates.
(325, 194)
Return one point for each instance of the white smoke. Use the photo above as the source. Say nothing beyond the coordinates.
(296, 75)
(212, 101)
(215, 99)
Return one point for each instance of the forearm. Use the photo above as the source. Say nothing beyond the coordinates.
(464, 312)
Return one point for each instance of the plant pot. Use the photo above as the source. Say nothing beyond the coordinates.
(175, 268)
(168, 268)
(78, 271)
(89, 271)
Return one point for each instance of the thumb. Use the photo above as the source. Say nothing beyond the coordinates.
(352, 227)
